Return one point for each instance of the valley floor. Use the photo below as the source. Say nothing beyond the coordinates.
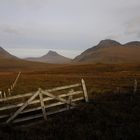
(113, 112)
(100, 78)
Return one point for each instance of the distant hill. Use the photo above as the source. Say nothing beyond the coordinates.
(9, 62)
(51, 57)
(6, 55)
(110, 51)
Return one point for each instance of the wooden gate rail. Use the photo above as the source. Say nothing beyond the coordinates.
(32, 93)
(69, 99)
(38, 101)
(46, 107)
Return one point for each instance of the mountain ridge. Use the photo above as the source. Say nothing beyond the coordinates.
(51, 57)
(5, 54)
(106, 51)
(110, 51)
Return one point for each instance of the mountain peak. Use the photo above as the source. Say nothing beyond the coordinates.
(51, 57)
(133, 43)
(52, 53)
(5, 54)
(2, 50)
(110, 51)
(108, 42)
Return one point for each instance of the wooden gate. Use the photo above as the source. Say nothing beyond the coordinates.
(42, 103)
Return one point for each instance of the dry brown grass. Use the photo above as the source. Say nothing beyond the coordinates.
(108, 116)
(99, 77)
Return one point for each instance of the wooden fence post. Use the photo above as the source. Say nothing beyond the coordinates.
(4, 94)
(84, 90)
(42, 105)
(9, 91)
(15, 82)
(70, 99)
(11, 87)
(0, 94)
(135, 86)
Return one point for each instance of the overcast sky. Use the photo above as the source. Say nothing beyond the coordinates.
(32, 27)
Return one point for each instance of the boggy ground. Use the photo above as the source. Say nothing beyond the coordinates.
(110, 114)
(99, 78)
(106, 117)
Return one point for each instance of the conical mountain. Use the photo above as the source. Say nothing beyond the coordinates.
(9, 62)
(51, 57)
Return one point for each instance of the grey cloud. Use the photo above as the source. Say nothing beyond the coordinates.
(133, 27)
(138, 34)
(67, 24)
(10, 30)
(26, 3)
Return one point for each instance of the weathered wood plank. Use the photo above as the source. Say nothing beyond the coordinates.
(38, 116)
(135, 86)
(57, 98)
(15, 82)
(17, 96)
(28, 118)
(70, 101)
(4, 95)
(31, 93)
(51, 105)
(85, 90)
(0, 94)
(42, 105)
(46, 107)
(4, 116)
(63, 87)
(38, 101)
(22, 107)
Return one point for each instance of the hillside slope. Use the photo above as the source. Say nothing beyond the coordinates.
(9, 62)
(109, 51)
(6, 55)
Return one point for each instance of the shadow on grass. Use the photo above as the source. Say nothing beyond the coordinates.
(106, 117)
